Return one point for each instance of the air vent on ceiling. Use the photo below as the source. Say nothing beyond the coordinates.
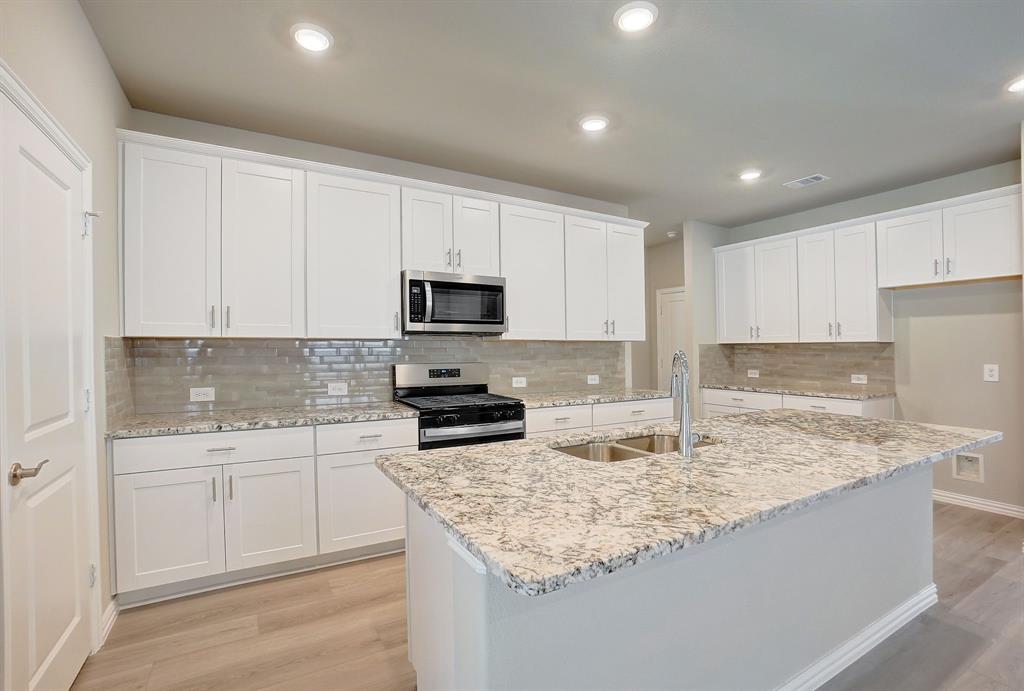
(806, 182)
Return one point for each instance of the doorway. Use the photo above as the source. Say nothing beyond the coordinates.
(672, 331)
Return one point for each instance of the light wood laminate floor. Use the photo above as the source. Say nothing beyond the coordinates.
(344, 628)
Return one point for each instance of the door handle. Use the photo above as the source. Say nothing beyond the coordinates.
(18, 472)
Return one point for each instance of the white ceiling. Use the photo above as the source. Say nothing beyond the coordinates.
(876, 95)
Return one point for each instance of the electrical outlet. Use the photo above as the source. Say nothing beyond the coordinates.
(201, 394)
(753, 373)
(593, 379)
(969, 466)
(858, 379)
(518, 382)
(990, 373)
(337, 388)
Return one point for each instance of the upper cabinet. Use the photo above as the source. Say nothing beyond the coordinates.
(775, 292)
(975, 240)
(172, 242)
(453, 234)
(353, 267)
(626, 305)
(734, 294)
(533, 265)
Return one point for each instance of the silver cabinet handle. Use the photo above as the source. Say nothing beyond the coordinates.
(458, 259)
(949, 270)
(220, 448)
(227, 317)
(638, 412)
(606, 327)
(751, 333)
(613, 327)
(830, 329)
(396, 321)
(819, 407)
(449, 254)
(839, 330)
(18, 472)
(757, 330)
(936, 267)
(213, 480)
(736, 399)
(370, 436)
(562, 419)
(213, 316)
(231, 487)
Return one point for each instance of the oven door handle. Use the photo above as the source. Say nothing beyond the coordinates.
(465, 431)
(430, 302)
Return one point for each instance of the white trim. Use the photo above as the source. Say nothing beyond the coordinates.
(659, 295)
(860, 644)
(107, 623)
(1001, 508)
(871, 218)
(333, 169)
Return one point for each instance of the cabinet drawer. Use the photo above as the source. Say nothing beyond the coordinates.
(714, 410)
(366, 436)
(752, 400)
(632, 411)
(559, 418)
(823, 405)
(215, 448)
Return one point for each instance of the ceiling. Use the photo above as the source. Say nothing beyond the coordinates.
(876, 95)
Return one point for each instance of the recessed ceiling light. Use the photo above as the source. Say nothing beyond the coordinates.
(750, 175)
(1016, 87)
(593, 123)
(312, 37)
(636, 16)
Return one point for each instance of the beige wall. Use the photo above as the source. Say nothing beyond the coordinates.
(663, 269)
(52, 49)
(699, 268)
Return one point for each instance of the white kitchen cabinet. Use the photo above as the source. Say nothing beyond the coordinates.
(734, 294)
(910, 249)
(269, 512)
(982, 239)
(168, 526)
(533, 265)
(353, 257)
(741, 400)
(359, 506)
(586, 279)
(475, 236)
(817, 286)
(172, 242)
(626, 308)
(775, 292)
(715, 410)
(559, 419)
(626, 413)
(427, 230)
(872, 407)
(263, 250)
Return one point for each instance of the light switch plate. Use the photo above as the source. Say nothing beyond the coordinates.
(593, 379)
(518, 382)
(753, 373)
(990, 373)
(337, 388)
(201, 394)
(858, 379)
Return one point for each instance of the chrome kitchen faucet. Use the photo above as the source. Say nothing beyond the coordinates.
(680, 386)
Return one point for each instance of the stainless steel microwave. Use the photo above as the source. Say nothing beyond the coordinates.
(435, 302)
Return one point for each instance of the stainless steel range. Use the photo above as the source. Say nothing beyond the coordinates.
(455, 407)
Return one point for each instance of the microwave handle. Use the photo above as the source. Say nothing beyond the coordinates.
(430, 302)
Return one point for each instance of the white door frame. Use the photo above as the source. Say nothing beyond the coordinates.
(19, 94)
(661, 294)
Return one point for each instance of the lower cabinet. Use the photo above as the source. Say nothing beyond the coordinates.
(359, 506)
(716, 402)
(549, 422)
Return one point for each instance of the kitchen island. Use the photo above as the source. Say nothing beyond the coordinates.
(771, 559)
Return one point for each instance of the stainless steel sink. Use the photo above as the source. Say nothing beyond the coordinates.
(663, 443)
(602, 452)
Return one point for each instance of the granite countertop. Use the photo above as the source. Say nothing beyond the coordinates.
(541, 520)
(854, 394)
(583, 397)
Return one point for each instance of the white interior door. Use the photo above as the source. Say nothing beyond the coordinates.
(734, 294)
(263, 250)
(856, 286)
(533, 264)
(910, 249)
(626, 285)
(982, 239)
(476, 236)
(672, 332)
(776, 300)
(586, 279)
(816, 263)
(46, 558)
(427, 230)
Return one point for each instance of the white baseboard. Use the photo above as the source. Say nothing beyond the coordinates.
(842, 657)
(970, 502)
(107, 623)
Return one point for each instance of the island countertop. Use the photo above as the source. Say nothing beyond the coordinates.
(541, 520)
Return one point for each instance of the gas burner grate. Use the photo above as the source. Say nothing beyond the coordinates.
(456, 400)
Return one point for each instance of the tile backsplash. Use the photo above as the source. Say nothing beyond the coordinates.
(153, 375)
(810, 366)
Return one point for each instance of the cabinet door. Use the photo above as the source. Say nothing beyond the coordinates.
(817, 286)
(586, 280)
(359, 506)
(909, 249)
(263, 250)
(476, 237)
(172, 220)
(856, 284)
(982, 239)
(776, 300)
(734, 294)
(168, 526)
(533, 264)
(353, 257)
(269, 512)
(626, 304)
(427, 230)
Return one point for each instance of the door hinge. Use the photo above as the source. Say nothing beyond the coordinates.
(92, 575)
(88, 400)
(87, 218)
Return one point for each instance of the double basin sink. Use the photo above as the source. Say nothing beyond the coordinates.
(631, 447)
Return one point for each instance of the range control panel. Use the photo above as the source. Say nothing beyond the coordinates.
(445, 373)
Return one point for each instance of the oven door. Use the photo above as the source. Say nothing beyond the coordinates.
(462, 435)
(453, 303)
